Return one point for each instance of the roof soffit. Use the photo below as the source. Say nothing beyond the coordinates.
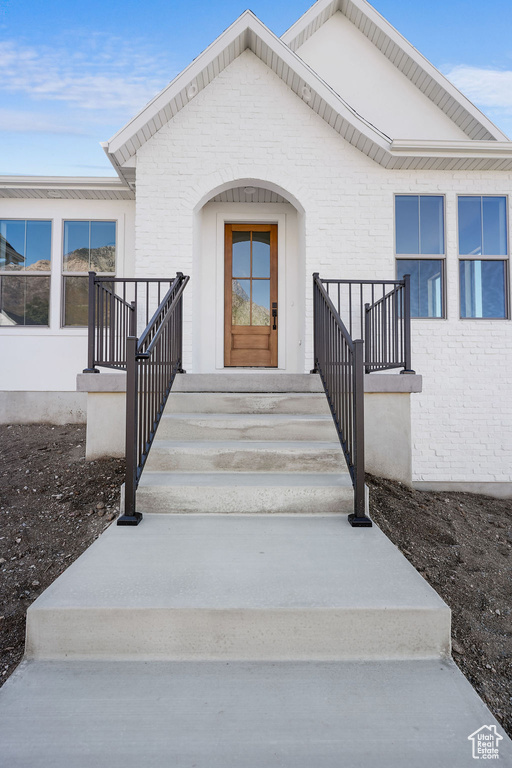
(65, 188)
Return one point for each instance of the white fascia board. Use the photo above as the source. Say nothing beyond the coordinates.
(247, 30)
(323, 6)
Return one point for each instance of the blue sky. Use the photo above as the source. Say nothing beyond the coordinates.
(71, 74)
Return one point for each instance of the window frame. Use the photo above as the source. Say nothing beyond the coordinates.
(487, 257)
(65, 273)
(424, 256)
(30, 273)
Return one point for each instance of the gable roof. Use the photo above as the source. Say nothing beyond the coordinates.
(492, 151)
(405, 58)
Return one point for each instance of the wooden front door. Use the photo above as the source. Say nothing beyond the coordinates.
(250, 295)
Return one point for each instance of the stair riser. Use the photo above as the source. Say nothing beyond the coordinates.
(248, 382)
(264, 635)
(245, 499)
(218, 402)
(244, 429)
(243, 459)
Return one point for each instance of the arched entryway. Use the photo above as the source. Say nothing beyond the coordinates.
(249, 279)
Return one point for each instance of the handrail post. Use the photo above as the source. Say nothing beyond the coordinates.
(367, 339)
(359, 518)
(316, 275)
(90, 338)
(407, 325)
(131, 516)
(132, 326)
(180, 368)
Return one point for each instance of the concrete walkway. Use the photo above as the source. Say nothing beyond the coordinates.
(373, 714)
(240, 640)
(255, 628)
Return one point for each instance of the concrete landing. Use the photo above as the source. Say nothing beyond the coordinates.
(253, 587)
(241, 715)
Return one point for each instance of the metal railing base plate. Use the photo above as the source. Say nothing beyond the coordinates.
(130, 519)
(360, 522)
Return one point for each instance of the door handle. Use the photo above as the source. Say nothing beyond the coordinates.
(274, 315)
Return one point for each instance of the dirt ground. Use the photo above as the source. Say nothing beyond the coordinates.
(54, 504)
(461, 543)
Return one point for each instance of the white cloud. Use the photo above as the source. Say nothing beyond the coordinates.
(486, 87)
(19, 121)
(97, 73)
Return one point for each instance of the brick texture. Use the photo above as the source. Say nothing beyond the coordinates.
(248, 125)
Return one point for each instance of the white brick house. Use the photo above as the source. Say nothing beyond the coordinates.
(363, 155)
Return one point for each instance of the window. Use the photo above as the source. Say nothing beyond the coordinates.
(482, 240)
(88, 246)
(25, 263)
(419, 238)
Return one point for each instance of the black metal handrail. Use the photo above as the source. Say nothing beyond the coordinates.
(117, 307)
(152, 364)
(339, 361)
(379, 311)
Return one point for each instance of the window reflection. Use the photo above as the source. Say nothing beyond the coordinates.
(24, 300)
(426, 285)
(482, 226)
(241, 302)
(482, 288)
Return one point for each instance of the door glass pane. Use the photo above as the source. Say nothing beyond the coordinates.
(39, 241)
(76, 246)
(470, 226)
(241, 302)
(482, 289)
(103, 246)
(261, 254)
(12, 244)
(495, 226)
(431, 225)
(407, 224)
(241, 254)
(261, 302)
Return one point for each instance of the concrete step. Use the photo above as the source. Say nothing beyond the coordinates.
(250, 492)
(234, 426)
(245, 456)
(247, 587)
(248, 381)
(240, 402)
(241, 715)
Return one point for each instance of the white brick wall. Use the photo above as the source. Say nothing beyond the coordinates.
(248, 125)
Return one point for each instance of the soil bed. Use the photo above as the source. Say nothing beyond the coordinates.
(461, 543)
(54, 504)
